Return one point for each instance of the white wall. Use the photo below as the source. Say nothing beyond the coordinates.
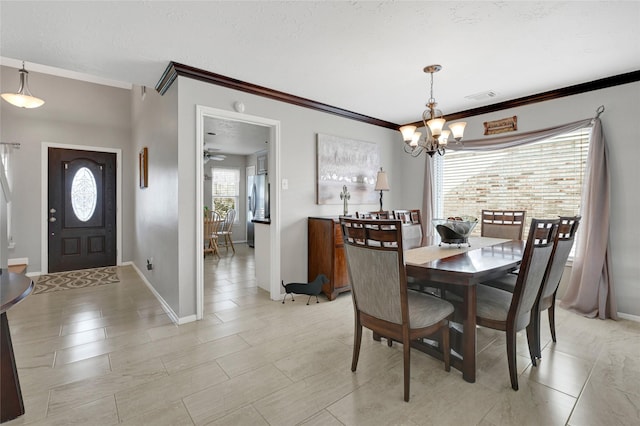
(299, 127)
(157, 207)
(75, 113)
(622, 131)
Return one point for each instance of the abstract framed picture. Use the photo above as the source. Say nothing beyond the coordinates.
(143, 165)
(342, 161)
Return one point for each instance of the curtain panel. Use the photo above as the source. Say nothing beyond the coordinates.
(590, 292)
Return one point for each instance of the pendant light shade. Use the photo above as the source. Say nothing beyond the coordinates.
(23, 98)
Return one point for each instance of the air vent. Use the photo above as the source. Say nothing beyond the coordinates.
(482, 96)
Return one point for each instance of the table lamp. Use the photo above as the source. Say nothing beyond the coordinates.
(382, 184)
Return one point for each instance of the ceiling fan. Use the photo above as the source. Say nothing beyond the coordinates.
(216, 157)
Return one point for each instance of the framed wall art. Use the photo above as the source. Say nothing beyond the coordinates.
(503, 125)
(143, 165)
(350, 162)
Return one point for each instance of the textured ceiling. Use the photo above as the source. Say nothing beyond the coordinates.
(365, 57)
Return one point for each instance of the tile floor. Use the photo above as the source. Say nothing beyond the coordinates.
(107, 355)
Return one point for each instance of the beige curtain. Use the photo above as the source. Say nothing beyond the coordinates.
(590, 291)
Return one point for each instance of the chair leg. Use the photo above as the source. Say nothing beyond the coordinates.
(511, 357)
(231, 242)
(446, 347)
(406, 351)
(552, 318)
(533, 342)
(533, 335)
(357, 339)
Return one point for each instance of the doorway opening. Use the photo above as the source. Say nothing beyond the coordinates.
(232, 120)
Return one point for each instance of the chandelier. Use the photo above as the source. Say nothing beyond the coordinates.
(436, 138)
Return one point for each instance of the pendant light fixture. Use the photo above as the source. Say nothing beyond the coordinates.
(436, 138)
(23, 98)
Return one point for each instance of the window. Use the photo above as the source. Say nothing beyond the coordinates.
(543, 178)
(225, 184)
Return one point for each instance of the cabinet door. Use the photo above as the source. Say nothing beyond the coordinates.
(340, 270)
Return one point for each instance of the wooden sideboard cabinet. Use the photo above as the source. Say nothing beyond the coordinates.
(326, 255)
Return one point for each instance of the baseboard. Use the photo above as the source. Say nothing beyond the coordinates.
(165, 306)
(18, 261)
(629, 317)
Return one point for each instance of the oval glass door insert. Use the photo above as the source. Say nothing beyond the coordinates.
(84, 194)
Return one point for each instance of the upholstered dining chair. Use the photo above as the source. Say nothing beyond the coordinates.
(507, 224)
(381, 214)
(511, 312)
(226, 230)
(381, 300)
(547, 298)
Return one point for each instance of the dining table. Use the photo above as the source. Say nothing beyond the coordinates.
(14, 288)
(455, 270)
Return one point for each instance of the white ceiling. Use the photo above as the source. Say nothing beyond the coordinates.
(362, 56)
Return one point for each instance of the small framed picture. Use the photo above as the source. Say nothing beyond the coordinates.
(143, 162)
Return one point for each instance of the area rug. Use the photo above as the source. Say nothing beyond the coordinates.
(76, 279)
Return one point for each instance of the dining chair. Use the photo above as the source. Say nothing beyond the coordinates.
(507, 224)
(511, 312)
(211, 225)
(381, 300)
(381, 214)
(226, 229)
(547, 297)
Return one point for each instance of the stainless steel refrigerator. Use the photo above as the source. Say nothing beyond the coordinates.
(257, 203)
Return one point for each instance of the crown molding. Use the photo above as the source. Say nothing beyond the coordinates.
(602, 83)
(175, 69)
(59, 72)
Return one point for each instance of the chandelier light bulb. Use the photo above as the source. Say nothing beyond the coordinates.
(435, 126)
(444, 137)
(407, 132)
(415, 138)
(457, 129)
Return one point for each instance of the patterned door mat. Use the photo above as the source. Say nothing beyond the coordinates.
(76, 279)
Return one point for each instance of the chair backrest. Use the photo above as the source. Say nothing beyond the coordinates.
(229, 220)
(412, 235)
(535, 259)
(382, 214)
(503, 224)
(376, 267)
(561, 249)
(211, 225)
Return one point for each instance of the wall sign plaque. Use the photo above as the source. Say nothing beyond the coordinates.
(501, 126)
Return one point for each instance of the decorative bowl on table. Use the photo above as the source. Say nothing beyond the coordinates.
(455, 230)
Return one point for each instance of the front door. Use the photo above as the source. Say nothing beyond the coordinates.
(82, 209)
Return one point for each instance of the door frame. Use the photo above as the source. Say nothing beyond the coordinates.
(274, 170)
(44, 199)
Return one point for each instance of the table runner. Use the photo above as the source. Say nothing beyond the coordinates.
(420, 255)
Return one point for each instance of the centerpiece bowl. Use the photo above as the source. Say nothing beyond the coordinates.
(455, 230)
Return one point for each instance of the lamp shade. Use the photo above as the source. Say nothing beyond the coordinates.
(23, 97)
(382, 184)
(458, 129)
(407, 132)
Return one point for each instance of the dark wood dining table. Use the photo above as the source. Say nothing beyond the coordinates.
(457, 270)
(13, 288)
